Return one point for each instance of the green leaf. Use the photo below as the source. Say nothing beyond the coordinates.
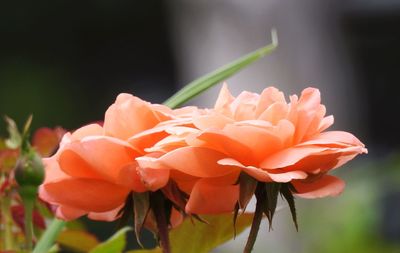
(77, 240)
(193, 236)
(47, 239)
(114, 244)
(14, 140)
(203, 83)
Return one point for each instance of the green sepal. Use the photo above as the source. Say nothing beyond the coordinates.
(272, 191)
(141, 206)
(288, 195)
(247, 185)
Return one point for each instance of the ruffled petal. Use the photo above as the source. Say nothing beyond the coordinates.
(130, 115)
(207, 198)
(263, 175)
(96, 157)
(194, 161)
(290, 156)
(105, 216)
(322, 187)
(85, 194)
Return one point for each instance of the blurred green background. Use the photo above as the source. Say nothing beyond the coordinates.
(65, 62)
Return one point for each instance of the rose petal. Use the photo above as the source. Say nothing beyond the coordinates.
(96, 157)
(325, 186)
(129, 115)
(194, 161)
(263, 175)
(207, 198)
(85, 194)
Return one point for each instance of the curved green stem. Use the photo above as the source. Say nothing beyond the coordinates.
(49, 236)
(28, 210)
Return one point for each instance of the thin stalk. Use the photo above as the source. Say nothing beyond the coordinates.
(49, 236)
(28, 210)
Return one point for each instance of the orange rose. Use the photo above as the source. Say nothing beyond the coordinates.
(94, 169)
(259, 134)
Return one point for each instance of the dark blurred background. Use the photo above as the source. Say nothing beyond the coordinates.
(65, 62)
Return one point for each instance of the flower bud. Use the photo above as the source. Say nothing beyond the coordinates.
(29, 170)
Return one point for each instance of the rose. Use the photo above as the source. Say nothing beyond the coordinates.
(94, 169)
(259, 134)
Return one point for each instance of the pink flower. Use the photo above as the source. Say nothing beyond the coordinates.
(263, 135)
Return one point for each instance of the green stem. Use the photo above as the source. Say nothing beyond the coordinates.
(8, 241)
(28, 211)
(49, 236)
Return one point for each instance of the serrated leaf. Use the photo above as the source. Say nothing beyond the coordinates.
(77, 240)
(15, 139)
(247, 188)
(203, 83)
(141, 206)
(115, 243)
(193, 236)
(288, 195)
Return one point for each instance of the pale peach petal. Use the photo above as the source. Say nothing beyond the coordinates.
(290, 156)
(304, 119)
(186, 111)
(313, 127)
(91, 129)
(52, 169)
(128, 116)
(69, 213)
(218, 140)
(194, 161)
(224, 100)
(268, 97)
(96, 157)
(322, 187)
(263, 175)
(129, 177)
(105, 216)
(310, 98)
(335, 137)
(86, 194)
(148, 138)
(275, 113)
(152, 178)
(257, 173)
(244, 112)
(212, 120)
(207, 198)
(326, 123)
(261, 142)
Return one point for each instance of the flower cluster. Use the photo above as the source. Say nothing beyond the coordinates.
(200, 161)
